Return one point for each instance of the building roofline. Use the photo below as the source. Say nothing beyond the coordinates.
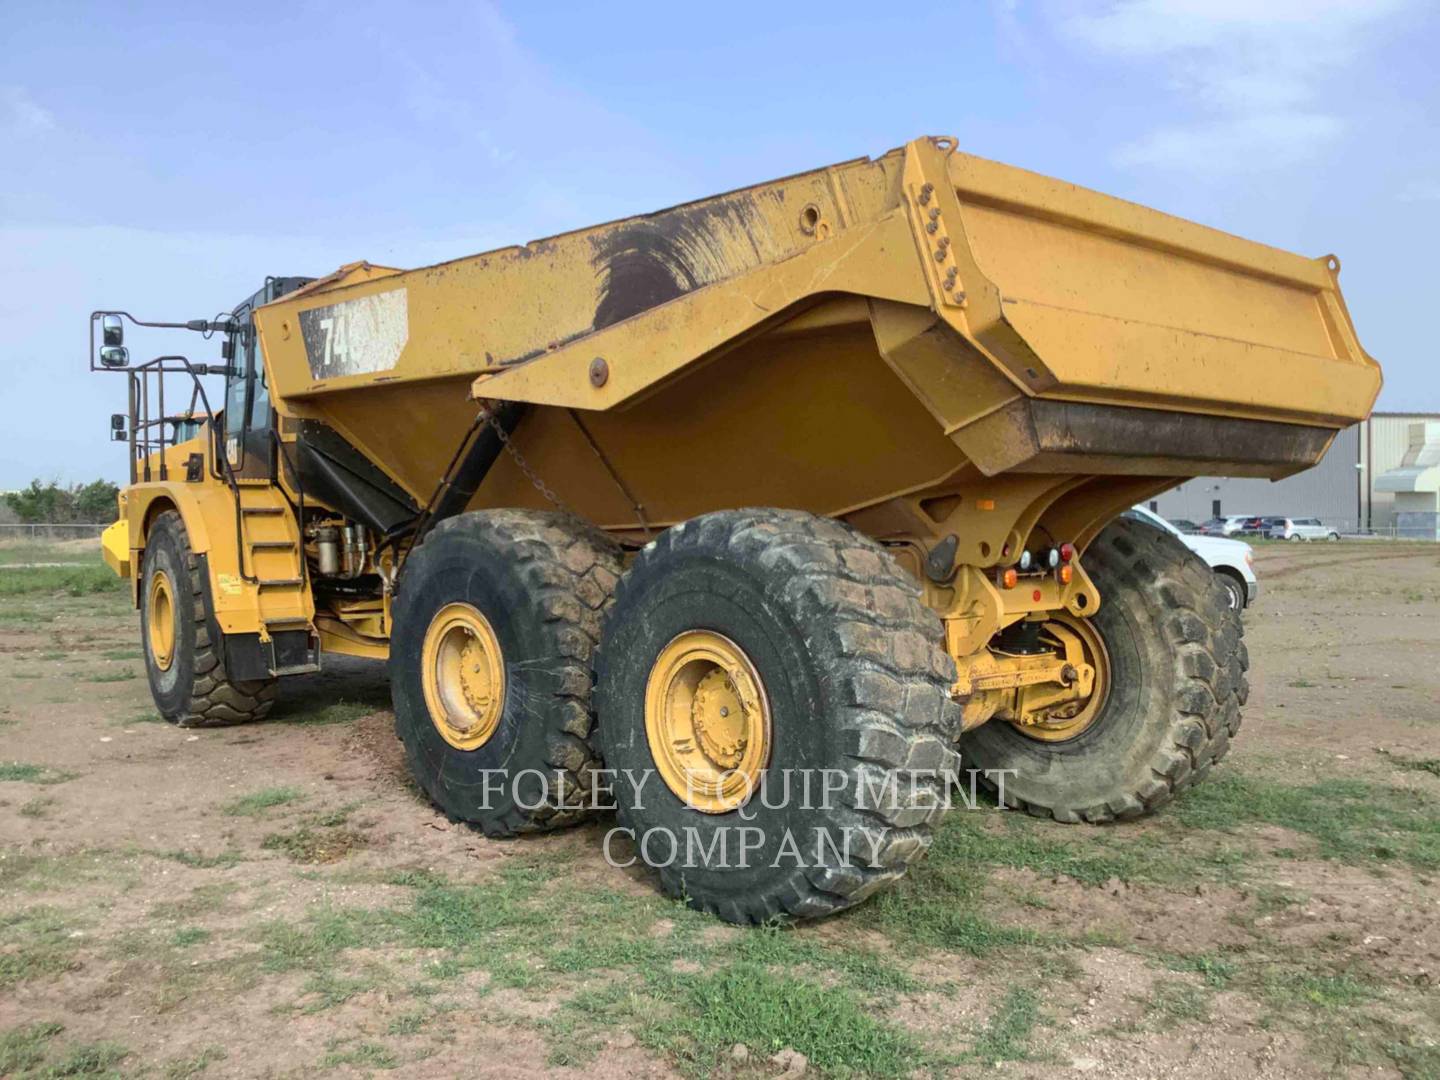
(1409, 415)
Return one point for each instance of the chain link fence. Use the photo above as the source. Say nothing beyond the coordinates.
(49, 531)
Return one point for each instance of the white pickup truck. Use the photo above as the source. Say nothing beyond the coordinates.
(1232, 560)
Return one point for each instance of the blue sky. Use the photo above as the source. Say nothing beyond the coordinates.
(164, 158)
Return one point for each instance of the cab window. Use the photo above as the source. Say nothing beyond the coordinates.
(237, 385)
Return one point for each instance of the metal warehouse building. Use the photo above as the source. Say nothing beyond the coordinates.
(1383, 476)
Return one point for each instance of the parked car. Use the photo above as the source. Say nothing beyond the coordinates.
(1185, 525)
(1232, 560)
(1257, 526)
(1223, 526)
(1300, 529)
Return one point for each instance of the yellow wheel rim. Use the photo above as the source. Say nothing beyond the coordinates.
(463, 675)
(1069, 721)
(160, 620)
(707, 721)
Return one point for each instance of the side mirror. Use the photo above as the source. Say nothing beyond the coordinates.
(114, 356)
(112, 331)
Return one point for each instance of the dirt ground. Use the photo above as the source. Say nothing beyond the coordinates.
(277, 901)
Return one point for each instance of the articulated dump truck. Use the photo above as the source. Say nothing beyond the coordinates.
(771, 520)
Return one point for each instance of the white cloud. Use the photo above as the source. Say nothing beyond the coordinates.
(1252, 70)
(19, 115)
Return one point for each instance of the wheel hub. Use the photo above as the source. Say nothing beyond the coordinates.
(707, 721)
(463, 676)
(1068, 720)
(160, 620)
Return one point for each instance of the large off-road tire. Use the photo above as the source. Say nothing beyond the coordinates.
(184, 649)
(1177, 667)
(539, 583)
(827, 638)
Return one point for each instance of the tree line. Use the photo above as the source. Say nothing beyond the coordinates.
(54, 503)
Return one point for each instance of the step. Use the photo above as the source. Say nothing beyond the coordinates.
(296, 669)
(262, 511)
(279, 583)
(272, 545)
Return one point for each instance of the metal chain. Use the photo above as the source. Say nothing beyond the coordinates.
(524, 467)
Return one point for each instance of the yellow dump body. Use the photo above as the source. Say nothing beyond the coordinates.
(925, 344)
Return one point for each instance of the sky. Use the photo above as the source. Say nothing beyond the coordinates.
(163, 158)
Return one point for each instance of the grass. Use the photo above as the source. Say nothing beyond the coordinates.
(1174, 1003)
(1006, 1035)
(39, 944)
(23, 1049)
(1215, 970)
(1349, 820)
(768, 1011)
(16, 554)
(23, 772)
(312, 845)
(38, 807)
(939, 903)
(257, 802)
(196, 1065)
(111, 676)
(123, 654)
(634, 958)
(83, 580)
(189, 935)
(369, 1055)
(337, 712)
(1411, 764)
(197, 861)
(27, 1053)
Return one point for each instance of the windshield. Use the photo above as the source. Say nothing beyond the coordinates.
(1139, 513)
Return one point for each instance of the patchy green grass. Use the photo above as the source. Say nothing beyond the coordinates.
(85, 580)
(29, 1052)
(24, 772)
(529, 928)
(769, 1011)
(309, 844)
(189, 935)
(1411, 764)
(257, 802)
(111, 676)
(939, 902)
(39, 807)
(1349, 820)
(23, 1049)
(1217, 971)
(1006, 1035)
(123, 654)
(88, 1059)
(336, 712)
(37, 943)
(368, 1055)
(197, 861)
(195, 1065)
(1173, 1003)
